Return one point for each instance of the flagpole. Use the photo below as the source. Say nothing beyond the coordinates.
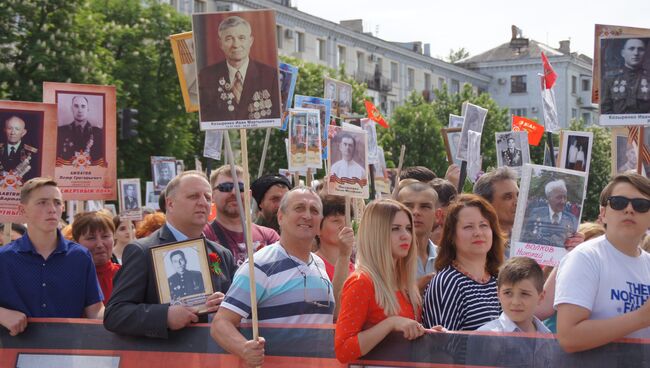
(549, 140)
(462, 176)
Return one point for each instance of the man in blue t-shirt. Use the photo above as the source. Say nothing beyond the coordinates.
(42, 274)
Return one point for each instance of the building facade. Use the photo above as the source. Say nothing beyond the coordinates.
(515, 69)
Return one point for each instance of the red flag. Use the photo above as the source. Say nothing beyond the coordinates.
(549, 73)
(535, 131)
(374, 114)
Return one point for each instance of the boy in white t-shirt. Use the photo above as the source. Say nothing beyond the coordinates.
(603, 285)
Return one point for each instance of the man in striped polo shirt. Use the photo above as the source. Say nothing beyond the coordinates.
(291, 283)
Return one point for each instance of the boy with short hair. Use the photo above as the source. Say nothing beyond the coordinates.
(521, 289)
(42, 274)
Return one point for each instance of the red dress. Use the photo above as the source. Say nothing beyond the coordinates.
(359, 311)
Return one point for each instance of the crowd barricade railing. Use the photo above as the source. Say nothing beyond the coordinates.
(79, 343)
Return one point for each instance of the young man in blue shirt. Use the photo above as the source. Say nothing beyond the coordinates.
(42, 274)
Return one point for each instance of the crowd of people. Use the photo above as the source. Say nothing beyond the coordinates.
(427, 260)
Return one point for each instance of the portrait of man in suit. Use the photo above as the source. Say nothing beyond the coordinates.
(511, 155)
(183, 282)
(550, 224)
(81, 136)
(131, 197)
(238, 87)
(16, 155)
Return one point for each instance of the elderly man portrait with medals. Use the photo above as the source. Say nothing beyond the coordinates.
(238, 88)
(15, 155)
(80, 141)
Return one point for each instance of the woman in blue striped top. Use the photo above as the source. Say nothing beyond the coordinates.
(463, 293)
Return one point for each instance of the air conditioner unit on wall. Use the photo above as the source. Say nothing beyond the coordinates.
(534, 109)
(501, 81)
(288, 34)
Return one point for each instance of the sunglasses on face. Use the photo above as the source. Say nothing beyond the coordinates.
(228, 187)
(619, 203)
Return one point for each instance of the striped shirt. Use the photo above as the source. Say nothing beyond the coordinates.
(287, 289)
(459, 303)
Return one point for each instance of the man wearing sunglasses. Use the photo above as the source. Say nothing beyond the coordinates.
(292, 286)
(226, 229)
(603, 285)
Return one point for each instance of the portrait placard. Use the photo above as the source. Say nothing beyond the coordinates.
(473, 119)
(304, 139)
(512, 150)
(129, 199)
(237, 68)
(314, 154)
(288, 79)
(163, 169)
(183, 51)
(370, 126)
(340, 93)
(455, 121)
(548, 212)
(330, 92)
(621, 75)
(625, 150)
(348, 163)
(151, 196)
(475, 159)
(324, 106)
(86, 155)
(575, 150)
(213, 144)
(182, 273)
(26, 151)
(451, 137)
(382, 180)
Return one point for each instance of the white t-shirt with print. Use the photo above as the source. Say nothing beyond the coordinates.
(602, 279)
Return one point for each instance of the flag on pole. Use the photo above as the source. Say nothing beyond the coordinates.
(373, 114)
(535, 131)
(548, 97)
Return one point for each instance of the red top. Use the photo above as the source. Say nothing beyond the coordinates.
(329, 268)
(105, 274)
(359, 311)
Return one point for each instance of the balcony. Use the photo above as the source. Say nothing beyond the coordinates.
(374, 81)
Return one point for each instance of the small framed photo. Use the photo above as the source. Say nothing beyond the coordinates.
(451, 136)
(163, 170)
(625, 150)
(330, 92)
(323, 105)
(183, 51)
(455, 121)
(575, 150)
(369, 126)
(348, 163)
(473, 119)
(129, 199)
(288, 77)
(182, 273)
(548, 212)
(151, 196)
(512, 150)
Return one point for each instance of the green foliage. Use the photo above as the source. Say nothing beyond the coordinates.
(456, 55)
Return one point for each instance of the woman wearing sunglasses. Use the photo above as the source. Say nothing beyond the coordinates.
(602, 285)
(381, 296)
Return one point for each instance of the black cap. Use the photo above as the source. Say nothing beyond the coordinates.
(260, 186)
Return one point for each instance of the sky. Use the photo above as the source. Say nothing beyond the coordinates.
(479, 25)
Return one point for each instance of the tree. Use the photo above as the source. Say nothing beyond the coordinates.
(457, 55)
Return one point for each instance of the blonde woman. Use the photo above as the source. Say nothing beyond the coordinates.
(381, 296)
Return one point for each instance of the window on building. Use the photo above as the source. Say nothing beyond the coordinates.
(427, 82)
(299, 37)
(199, 6)
(574, 84)
(518, 84)
(410, 85)
(361, 63)
(278, 35)
(574, 113)
(320, 49)
(586, 118)
(393, 107)
(441, 83)
(455, 86)
(340, 56)
(586, 85)
(519, 111)
(394, 74)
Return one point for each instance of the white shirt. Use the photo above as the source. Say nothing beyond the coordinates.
(609, 283)
(348, 169)
(573, 152)
(551, 212)
(15, 146)
(505, 324)
(424, 269)
(242, 70)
